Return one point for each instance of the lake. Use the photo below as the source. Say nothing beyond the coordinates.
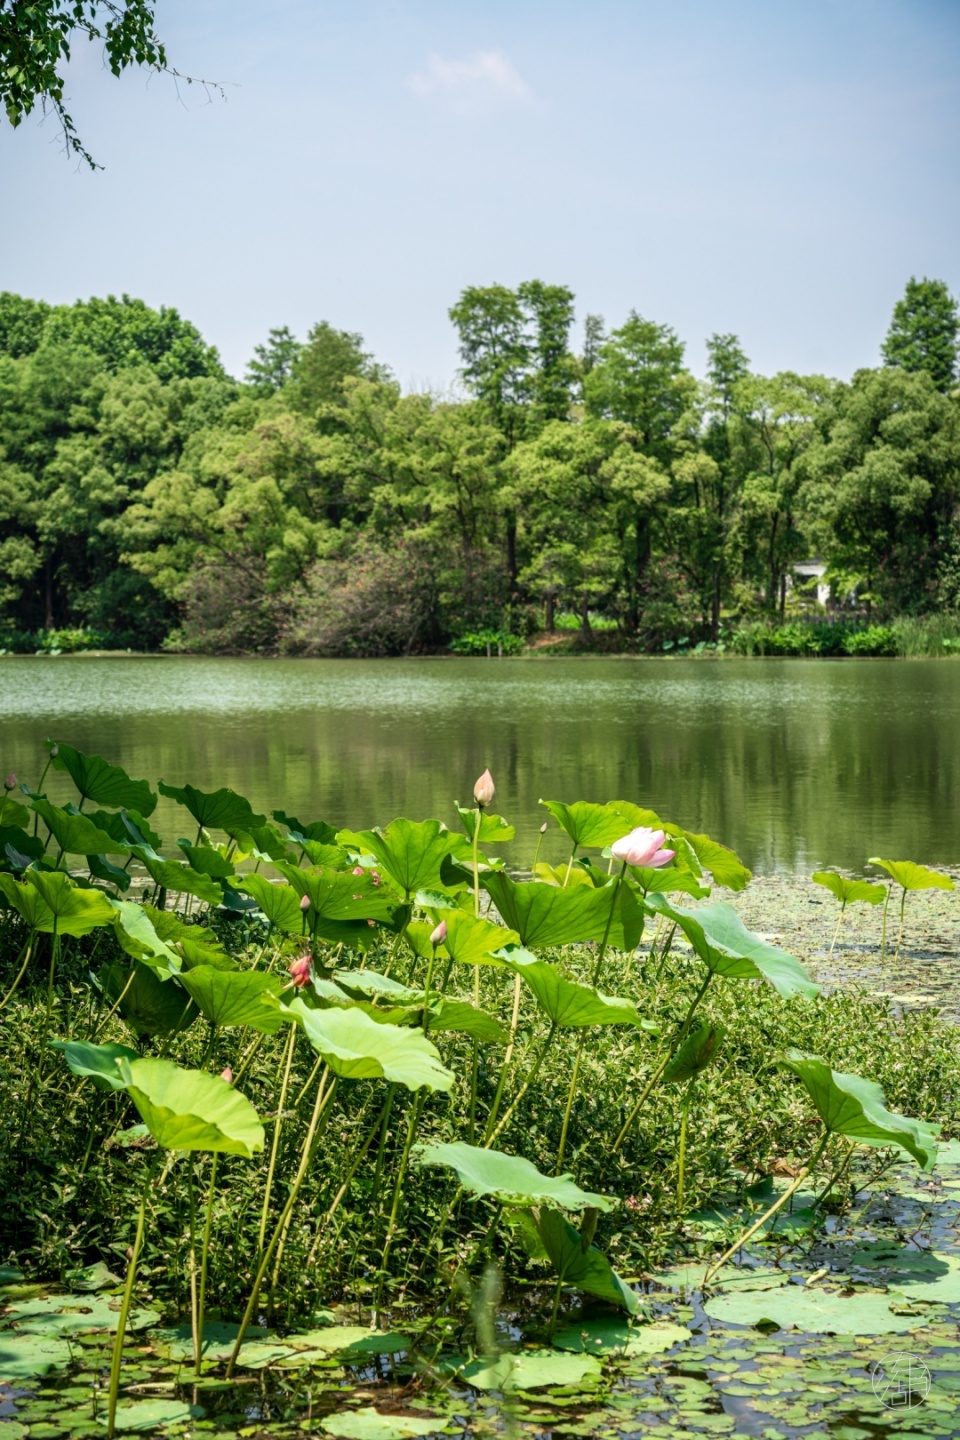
(796, 764)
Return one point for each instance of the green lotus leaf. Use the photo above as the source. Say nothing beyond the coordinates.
(19, 847)
(565, 876)
(319, 830)
(372, 983)
(207, 861)
(12, 813)
(338, 896)
(149, 1005)
(848, 891)
(696, 1053)
(544, 915)
(580, 1264)
(182, 879)
(529, 1370)
(235, 997)
(102, 783)
(127, 826)
(851, 1106)
(412, 852)
(494, 830)
(461, 1018)
(728, 948)
(670, 880)
(191, 1110)
(566, 1002)
(589, 825)
(95, 1062)
(913, 877)
(264, 841)
(103, 869)
(357, 1048)
(470, 940)
(137, 935)
(508, 1178)
(216, 809)
(279, 903)
(327, 857)
(48, 899)
(75, 834)
(198, 945)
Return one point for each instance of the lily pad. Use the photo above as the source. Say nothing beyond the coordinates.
(530, 1370)
(24, 1356)
(74, 1315)
(617, 1337)
(369, 1424)
(814, 1309)
(146, 1414)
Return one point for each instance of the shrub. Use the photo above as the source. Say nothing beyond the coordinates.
(487, 642)
(228, 610)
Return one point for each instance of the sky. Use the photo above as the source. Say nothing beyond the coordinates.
(777, 171)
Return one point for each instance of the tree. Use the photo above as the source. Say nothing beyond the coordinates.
(35, 45)
(272, 363)
(882, 480)
(495, 351)
(923, 332)
(549, 311)
(639, 378)
(330, 357)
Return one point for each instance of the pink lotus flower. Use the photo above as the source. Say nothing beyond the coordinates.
(642, 847)
(300, 971)
(438, 935)
(483, 791)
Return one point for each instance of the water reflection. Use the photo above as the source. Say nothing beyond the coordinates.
(796, 764)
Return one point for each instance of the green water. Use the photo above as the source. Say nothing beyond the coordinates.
(794, 763)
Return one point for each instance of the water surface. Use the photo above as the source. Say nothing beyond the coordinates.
(794, 763)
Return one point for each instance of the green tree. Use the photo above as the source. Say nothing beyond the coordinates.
(882, 483)
(549, 311)
(329, 358)
(923, 332)
(35, 46)
(640, 379)
(272, 363)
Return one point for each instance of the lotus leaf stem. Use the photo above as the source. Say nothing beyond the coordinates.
(655, 1077)
(116, 1361)
(275, 1144)
(768, 1214)
(204, 1258)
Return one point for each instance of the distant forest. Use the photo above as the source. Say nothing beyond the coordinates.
(149, 500)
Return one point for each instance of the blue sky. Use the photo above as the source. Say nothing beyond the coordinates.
(776, 170)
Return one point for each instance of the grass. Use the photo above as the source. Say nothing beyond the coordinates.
(71, 1181)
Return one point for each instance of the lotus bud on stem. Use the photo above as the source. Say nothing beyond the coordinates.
(300, 971)
(484, 790)
(11, 781)
(438, 935)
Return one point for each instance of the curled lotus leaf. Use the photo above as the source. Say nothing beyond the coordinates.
(49, 900)
(98, 1063)
(569, 1003)
(851, 1106)
(216, 809)
(912, 876)
(191, 1110)
(849, 891)
(103, 783)
(75, 834)
(357, 1048)
(508, 1178)
(724, 944)
(696, 1053)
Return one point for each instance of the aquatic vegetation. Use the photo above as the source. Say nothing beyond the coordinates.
(441, 997)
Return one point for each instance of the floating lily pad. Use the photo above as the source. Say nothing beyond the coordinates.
(616, 1337)
(146, 1414)
(530, 1370)
(24, 1356)
(74, 1315)
(369, 1424)
(820, 1311)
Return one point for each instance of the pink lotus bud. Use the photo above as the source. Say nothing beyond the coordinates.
(357, 870)
(300, 971)
(642, 847)
(227, 1075)
(11, 781)
(305, 903)
(483, 791)
(543, 828)
(438, 936)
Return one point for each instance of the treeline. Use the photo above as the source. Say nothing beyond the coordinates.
(313, 508)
